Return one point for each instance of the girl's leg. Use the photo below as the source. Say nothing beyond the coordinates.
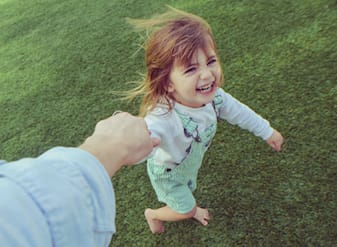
(155, 217)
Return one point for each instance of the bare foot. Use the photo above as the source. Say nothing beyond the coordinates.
(202, 215)
(156, 226)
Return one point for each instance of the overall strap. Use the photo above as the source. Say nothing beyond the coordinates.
(216, 103)
(190, 126)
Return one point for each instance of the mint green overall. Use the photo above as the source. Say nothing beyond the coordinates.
(174, 187)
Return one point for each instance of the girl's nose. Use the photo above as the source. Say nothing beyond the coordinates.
(206, 74)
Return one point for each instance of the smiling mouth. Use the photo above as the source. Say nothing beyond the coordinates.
(206, 89)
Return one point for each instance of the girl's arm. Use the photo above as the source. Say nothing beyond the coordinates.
(237, 113)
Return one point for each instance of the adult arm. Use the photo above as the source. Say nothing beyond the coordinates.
(65, 196)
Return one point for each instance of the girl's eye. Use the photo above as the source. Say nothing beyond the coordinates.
(190, 70)
(211, 61)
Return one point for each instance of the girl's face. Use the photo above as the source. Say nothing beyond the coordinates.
(195, 85)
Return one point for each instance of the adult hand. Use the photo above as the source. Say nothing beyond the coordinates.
(120, 140)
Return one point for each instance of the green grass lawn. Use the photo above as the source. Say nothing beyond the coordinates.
(60, 61)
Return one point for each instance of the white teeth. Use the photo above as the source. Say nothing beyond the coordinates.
(203, 89)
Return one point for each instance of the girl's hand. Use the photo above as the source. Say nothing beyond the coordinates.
(275, 141)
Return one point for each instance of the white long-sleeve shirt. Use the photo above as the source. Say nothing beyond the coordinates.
(167, 126)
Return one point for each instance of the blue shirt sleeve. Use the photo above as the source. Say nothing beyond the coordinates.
(62, 198)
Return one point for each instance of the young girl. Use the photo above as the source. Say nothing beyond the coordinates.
(182, 103)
